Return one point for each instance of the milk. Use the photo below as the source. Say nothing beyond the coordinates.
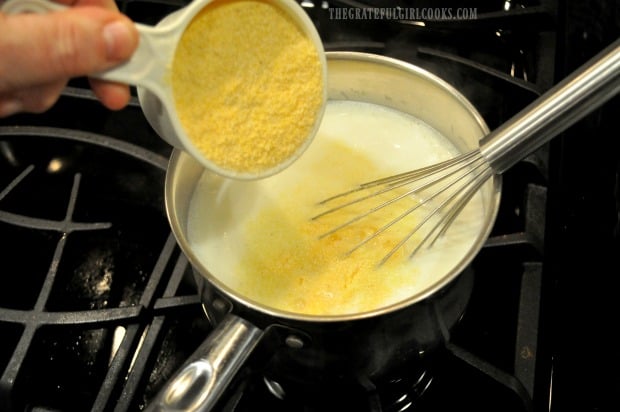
(258, 237)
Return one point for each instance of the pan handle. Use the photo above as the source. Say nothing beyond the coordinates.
(202, 380)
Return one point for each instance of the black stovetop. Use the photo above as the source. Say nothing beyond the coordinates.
(97, 306)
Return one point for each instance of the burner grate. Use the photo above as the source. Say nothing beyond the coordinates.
(94, 281)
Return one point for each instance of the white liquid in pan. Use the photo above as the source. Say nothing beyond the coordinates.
(257, 237)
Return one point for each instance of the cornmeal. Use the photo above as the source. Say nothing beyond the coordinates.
(292, 269)
(257, 237)
(247, 85)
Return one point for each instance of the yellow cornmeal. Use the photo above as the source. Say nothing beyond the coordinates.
(247, 85)
(285, 265)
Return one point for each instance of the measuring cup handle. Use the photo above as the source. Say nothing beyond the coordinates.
(146, 67)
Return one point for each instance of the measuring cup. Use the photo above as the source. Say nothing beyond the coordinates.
(149, 66)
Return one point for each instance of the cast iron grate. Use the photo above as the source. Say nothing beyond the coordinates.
(105, 274)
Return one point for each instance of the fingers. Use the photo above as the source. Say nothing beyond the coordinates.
(114, 96)
(31, 99)
(108, 4)
(59, 45)
(45, 50)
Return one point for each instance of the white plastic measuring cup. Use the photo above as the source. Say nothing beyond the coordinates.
(148, 68)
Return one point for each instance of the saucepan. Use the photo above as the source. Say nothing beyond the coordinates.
(332, 349)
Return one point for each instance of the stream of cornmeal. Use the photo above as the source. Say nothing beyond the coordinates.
(257, 237)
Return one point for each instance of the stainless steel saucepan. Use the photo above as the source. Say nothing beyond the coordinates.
(331, 349)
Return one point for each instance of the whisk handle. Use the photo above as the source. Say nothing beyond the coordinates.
(584, 90)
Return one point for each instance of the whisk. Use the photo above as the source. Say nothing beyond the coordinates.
(453, 183)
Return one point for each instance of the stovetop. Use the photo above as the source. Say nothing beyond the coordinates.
(98, 308)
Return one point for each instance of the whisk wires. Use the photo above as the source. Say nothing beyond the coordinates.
(457, 179)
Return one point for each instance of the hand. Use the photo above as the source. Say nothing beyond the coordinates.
(39, 53)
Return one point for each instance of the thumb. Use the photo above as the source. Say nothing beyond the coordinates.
(43, 48)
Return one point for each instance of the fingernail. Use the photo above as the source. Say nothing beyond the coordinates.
(118, 37)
